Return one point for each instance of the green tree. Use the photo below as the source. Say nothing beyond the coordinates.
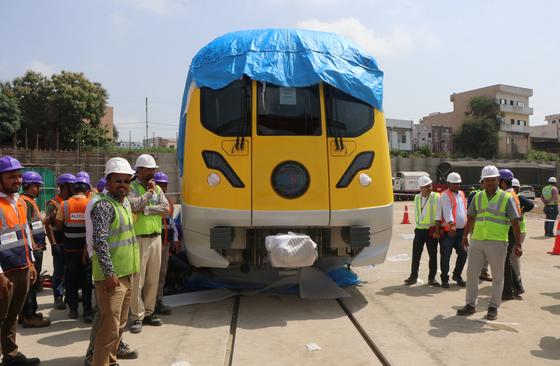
(78, 106)
(478, 135)
(115, 134)
(10, 115)
(32, 92)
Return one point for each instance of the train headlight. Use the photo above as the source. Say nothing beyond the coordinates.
(290, 179)
(365, 179)
(213, 179)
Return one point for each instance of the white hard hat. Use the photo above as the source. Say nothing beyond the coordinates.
(552, 180)
(424, 181)
(515, 182)
(453, 178)
(118, 165)
(490, 171)
(146, 161)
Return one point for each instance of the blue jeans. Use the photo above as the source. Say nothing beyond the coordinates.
(551, 212)
(447, 244)
(58, 271)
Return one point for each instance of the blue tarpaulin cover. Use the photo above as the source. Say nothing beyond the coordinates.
(285, 57)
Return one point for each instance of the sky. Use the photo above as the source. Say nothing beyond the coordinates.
(427, 49)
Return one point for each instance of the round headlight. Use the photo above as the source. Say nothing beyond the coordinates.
(290, 179)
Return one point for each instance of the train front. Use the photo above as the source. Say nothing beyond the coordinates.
(282, 132)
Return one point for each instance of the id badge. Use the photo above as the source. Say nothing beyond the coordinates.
(36, 225)
(8, 238)
(77, 216)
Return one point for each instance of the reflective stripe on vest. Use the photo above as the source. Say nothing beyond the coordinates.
(491, 222)
(14, 249)
(123, 247)
(146, 225)
(451, 197)
(74, 223)
(36, 225)
(430, 218)
(547, 194)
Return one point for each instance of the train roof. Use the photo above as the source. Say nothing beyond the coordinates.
(285, 57)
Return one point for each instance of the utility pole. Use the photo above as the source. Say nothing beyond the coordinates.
(129, 140)
(147, 136)
(154, 139)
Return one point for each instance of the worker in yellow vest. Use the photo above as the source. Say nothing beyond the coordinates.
(491, 213)
(148, 203)
(549, 196)
(115, 260)
(425, 206)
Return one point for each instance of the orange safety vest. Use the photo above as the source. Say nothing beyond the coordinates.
(515, 199)
(14, 247)
(75, 223)
(451, 197)
(36, 224)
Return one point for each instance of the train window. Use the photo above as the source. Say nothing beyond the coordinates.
(227, 111)
(346, 116)
(288, 111)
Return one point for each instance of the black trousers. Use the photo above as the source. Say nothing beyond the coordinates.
(551, 212)
(447, 244)
(78, 275)
(421, 237)
(30, 305)
(511, 281)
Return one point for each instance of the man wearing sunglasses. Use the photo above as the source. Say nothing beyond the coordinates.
(115, 260)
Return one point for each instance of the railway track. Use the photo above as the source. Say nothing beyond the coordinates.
(352, 322)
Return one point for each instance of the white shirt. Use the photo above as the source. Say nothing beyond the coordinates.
(445, 210)
(13, 199)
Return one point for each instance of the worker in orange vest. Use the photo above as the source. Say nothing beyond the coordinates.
(16, 260)
(65, 184)
(71, 220)
(451, 218)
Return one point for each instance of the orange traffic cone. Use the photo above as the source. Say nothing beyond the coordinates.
(556, 249)
(405, 217)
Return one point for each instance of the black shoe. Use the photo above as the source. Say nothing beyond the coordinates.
(466, 310)
(152, 320)
(162, 309)
(410, 280)
(433, 283)
(492, 313)
(444, 283)
(125, 353)
(88, 317)
(484, 276)
(73, 314)
(459, 280)
(59, 303)
(20, 360)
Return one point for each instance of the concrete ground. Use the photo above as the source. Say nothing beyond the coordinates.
(412, 325)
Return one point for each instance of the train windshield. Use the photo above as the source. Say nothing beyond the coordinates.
(227, 111)
(346, 116)
(288, 111)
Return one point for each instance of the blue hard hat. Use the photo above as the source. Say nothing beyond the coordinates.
(506, 174)
(66, 178)
(101, 184)
(31, 177)
(8, 164)
(161, 177)
(82, 180)
(85, 175)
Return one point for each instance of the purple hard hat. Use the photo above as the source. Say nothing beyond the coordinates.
(506, 174)
(83, 175)
(161, 177)
(82, 180)
(8, 164)
(31, 177)
(101, 184)
(66, 178)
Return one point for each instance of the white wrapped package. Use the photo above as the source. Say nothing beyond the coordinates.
(291, 250)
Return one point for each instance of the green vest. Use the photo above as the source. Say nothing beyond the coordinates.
(522, 225)
(547, 194)
(146, 225)
(123, 246)
(429, 219)
(492, 222)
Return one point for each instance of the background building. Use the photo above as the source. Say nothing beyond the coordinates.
(107, 121)
(514, 111)
(438, 138)
(399, 132)
(161, 142)
(547, 137)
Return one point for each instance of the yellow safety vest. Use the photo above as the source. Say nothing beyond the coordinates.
(146, 225)
(429, 219)
(492, 222)
(547, 194)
